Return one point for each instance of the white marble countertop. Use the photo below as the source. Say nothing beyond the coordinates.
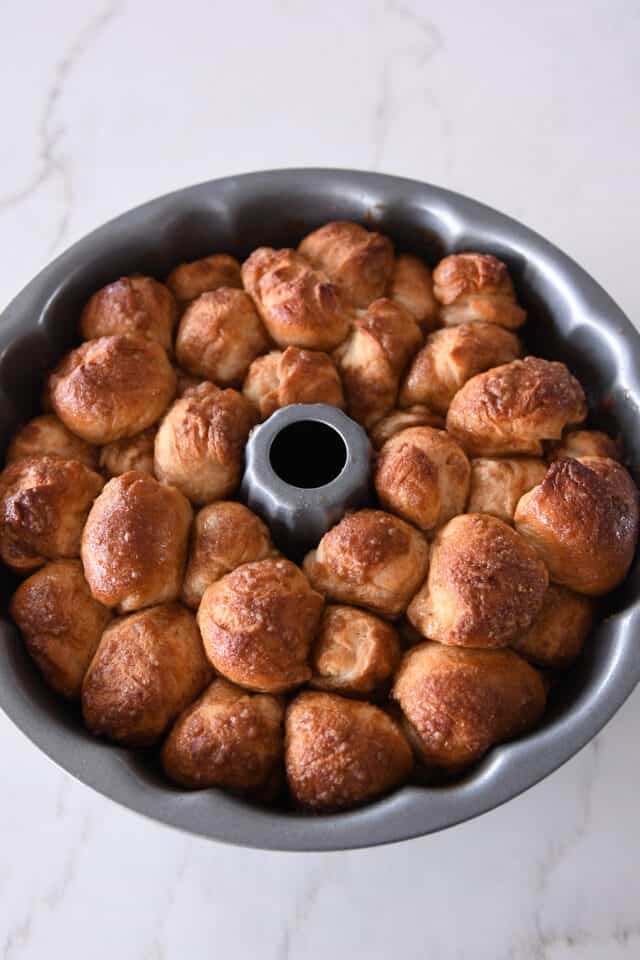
(533, 109)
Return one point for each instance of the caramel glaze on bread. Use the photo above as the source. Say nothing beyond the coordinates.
(189, 280)
(485, 584)
(476, 286)
(354, 653)
(340, 753)
(292, 376)
(132, 305)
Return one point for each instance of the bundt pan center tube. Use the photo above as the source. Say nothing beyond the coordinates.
(571, 319)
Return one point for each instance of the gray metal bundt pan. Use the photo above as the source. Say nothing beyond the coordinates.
(571, 318)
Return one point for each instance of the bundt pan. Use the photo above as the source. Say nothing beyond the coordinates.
(570, 318)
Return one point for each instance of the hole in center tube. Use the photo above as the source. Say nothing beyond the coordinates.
(308, 453)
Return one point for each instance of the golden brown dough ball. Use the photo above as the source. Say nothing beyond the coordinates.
(411, 286)
(257, 624)
(557, 635)
(372, 559)
(132, 453)
(398, 420)
(184, 381)
(422, 474)
(228, 738)
(60, 622)
(134, 543)
(299, 306)
(132, 305)
(200, 443)
(476, 286)
(354, 653)
(359, 261)
(189, 280)
(112, 388)
(148, 667)
(47, 436)
(340, 753)
(515, 407)
(585, 443)
(485, 584)
(497, 485)
(44, 502)
(293, 376)
(224, 535)
(583, 521)
(452, 356)
(458, 703)
(219, 335)
(372, 358)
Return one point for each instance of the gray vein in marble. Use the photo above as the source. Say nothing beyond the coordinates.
(158, 949)
(298, 922)
(52, 163)
(426, 43)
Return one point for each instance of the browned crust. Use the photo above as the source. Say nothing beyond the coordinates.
(354, 653)
(132, 453)
(514, 407)
(299, 306)
(112, 387)
(497, 484)
(292, 376)
(132, 305)
(557, 635)
(486, 585)
(189, 280)
(148, 667)
(476, 286)
(585, 443)
(398, 420)
(452, 356)
(219, 335)
(583, 521)
(47, 436)
(359, 261)
(224, 535)
(411, 286)
(422, 474)
(228, 738)
(340, 753)
(372, 559)
(458, 702)
(60, 622)
(134, 543)
(257, 624)
(44, 502)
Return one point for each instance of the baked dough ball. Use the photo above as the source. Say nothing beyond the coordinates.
(189, 280)
(224, 535)
(585, 443)
(485, 584)
(134, 543)
(476, 286)
(359, 261)
(340, 753)
(372, 559)
(422, 474)
(61, 623)
(219, 335)
(398, 420)
(44, 502)
(452, 356)
(292, 376)
(184, 381)
(372, 358)
(228, 738)
(132, 453)
(257, 624)
(458, 703)
(514, 407)
(411, 286)
(112, 388)
(148, 667)
(46, 436)
(497, 485)
(132, 305)
(200, 443)
(558, 633)
(583, 521)
(354, 653)
(299, 306)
